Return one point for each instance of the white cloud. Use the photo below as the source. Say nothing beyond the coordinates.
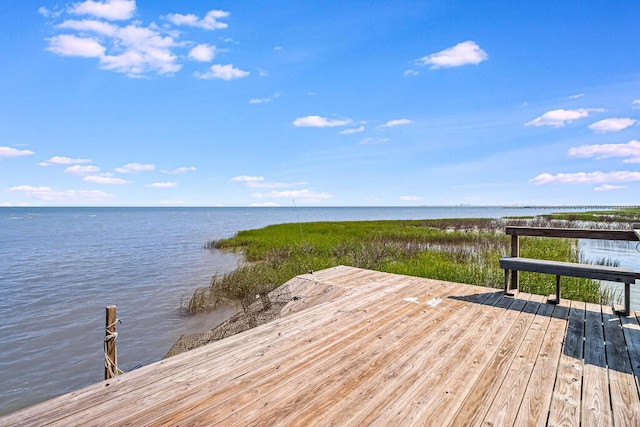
(319, 122)
(604, 151)
(246, 178)
(254, 184)
(576, 96)
(209, 22)
(82, 170)
(47, 13)
(612, 125)
(411, 73)
(28, 188)
(558, 118)
(352, 130)
(50, 195)
(181, 170)
(61, 160)
(91, 26)
(461, 54)
(373, 141)
(168, 184)
(301, 195)
(258, 182)
(132, 49)
(71, 45)
(609, 187)
(397, 122)
(135, 168)
(224, 72)
(14, 152)
(105, 179)
(410, 198)
(203, 53)
(265, 205)
(172, 202)
(635, 103)
(144, 50)
(586, 178)
(265, 100)
(111, 10)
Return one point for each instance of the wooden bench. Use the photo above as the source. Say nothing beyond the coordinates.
(514, 264)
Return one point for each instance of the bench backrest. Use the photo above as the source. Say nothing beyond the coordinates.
(575, 233)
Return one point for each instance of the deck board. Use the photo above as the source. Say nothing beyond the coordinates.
(514, 386)
(631, 330)
(621, 379)
(537, 399)
(359, 347)
(483, 392)
(566, 398)
(449, 396)
(596, 400)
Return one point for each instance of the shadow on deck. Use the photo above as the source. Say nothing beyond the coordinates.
(357, 347)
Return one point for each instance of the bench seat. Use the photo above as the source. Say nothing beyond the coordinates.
(572, 269)
(560, 268)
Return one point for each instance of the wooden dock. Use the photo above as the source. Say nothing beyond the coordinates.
(359, 347)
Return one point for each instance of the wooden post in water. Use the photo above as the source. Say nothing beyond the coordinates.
(110, 355)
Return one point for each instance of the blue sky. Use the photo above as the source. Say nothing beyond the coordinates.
(333, 103)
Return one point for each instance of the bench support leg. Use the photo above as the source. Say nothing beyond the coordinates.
(557, 297)
(507, 291)
(627, 301)
(506, 282)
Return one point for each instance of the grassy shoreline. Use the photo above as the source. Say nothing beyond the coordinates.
(456, 250)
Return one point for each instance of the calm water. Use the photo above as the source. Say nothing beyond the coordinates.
(60, 267)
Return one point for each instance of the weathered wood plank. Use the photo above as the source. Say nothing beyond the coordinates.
(596, 401)
(331, 351)
(438, 402)
(252, 364)
(427, 371)
(483, 391)
(565, 406)
(507, 402)
(631, 330)
(536, 402)
(378, 354)
(306, 395)
(624, 393)
(353, 394)
(120, 390)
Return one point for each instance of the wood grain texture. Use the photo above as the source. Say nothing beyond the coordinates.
(596, 400)
(566, 399)
(537, 399)
(361, 347)
(622, 382)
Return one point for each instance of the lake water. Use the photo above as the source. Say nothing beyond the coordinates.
(60, 267)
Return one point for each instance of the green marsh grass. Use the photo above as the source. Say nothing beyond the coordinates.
(456, 250)
(616, 215)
